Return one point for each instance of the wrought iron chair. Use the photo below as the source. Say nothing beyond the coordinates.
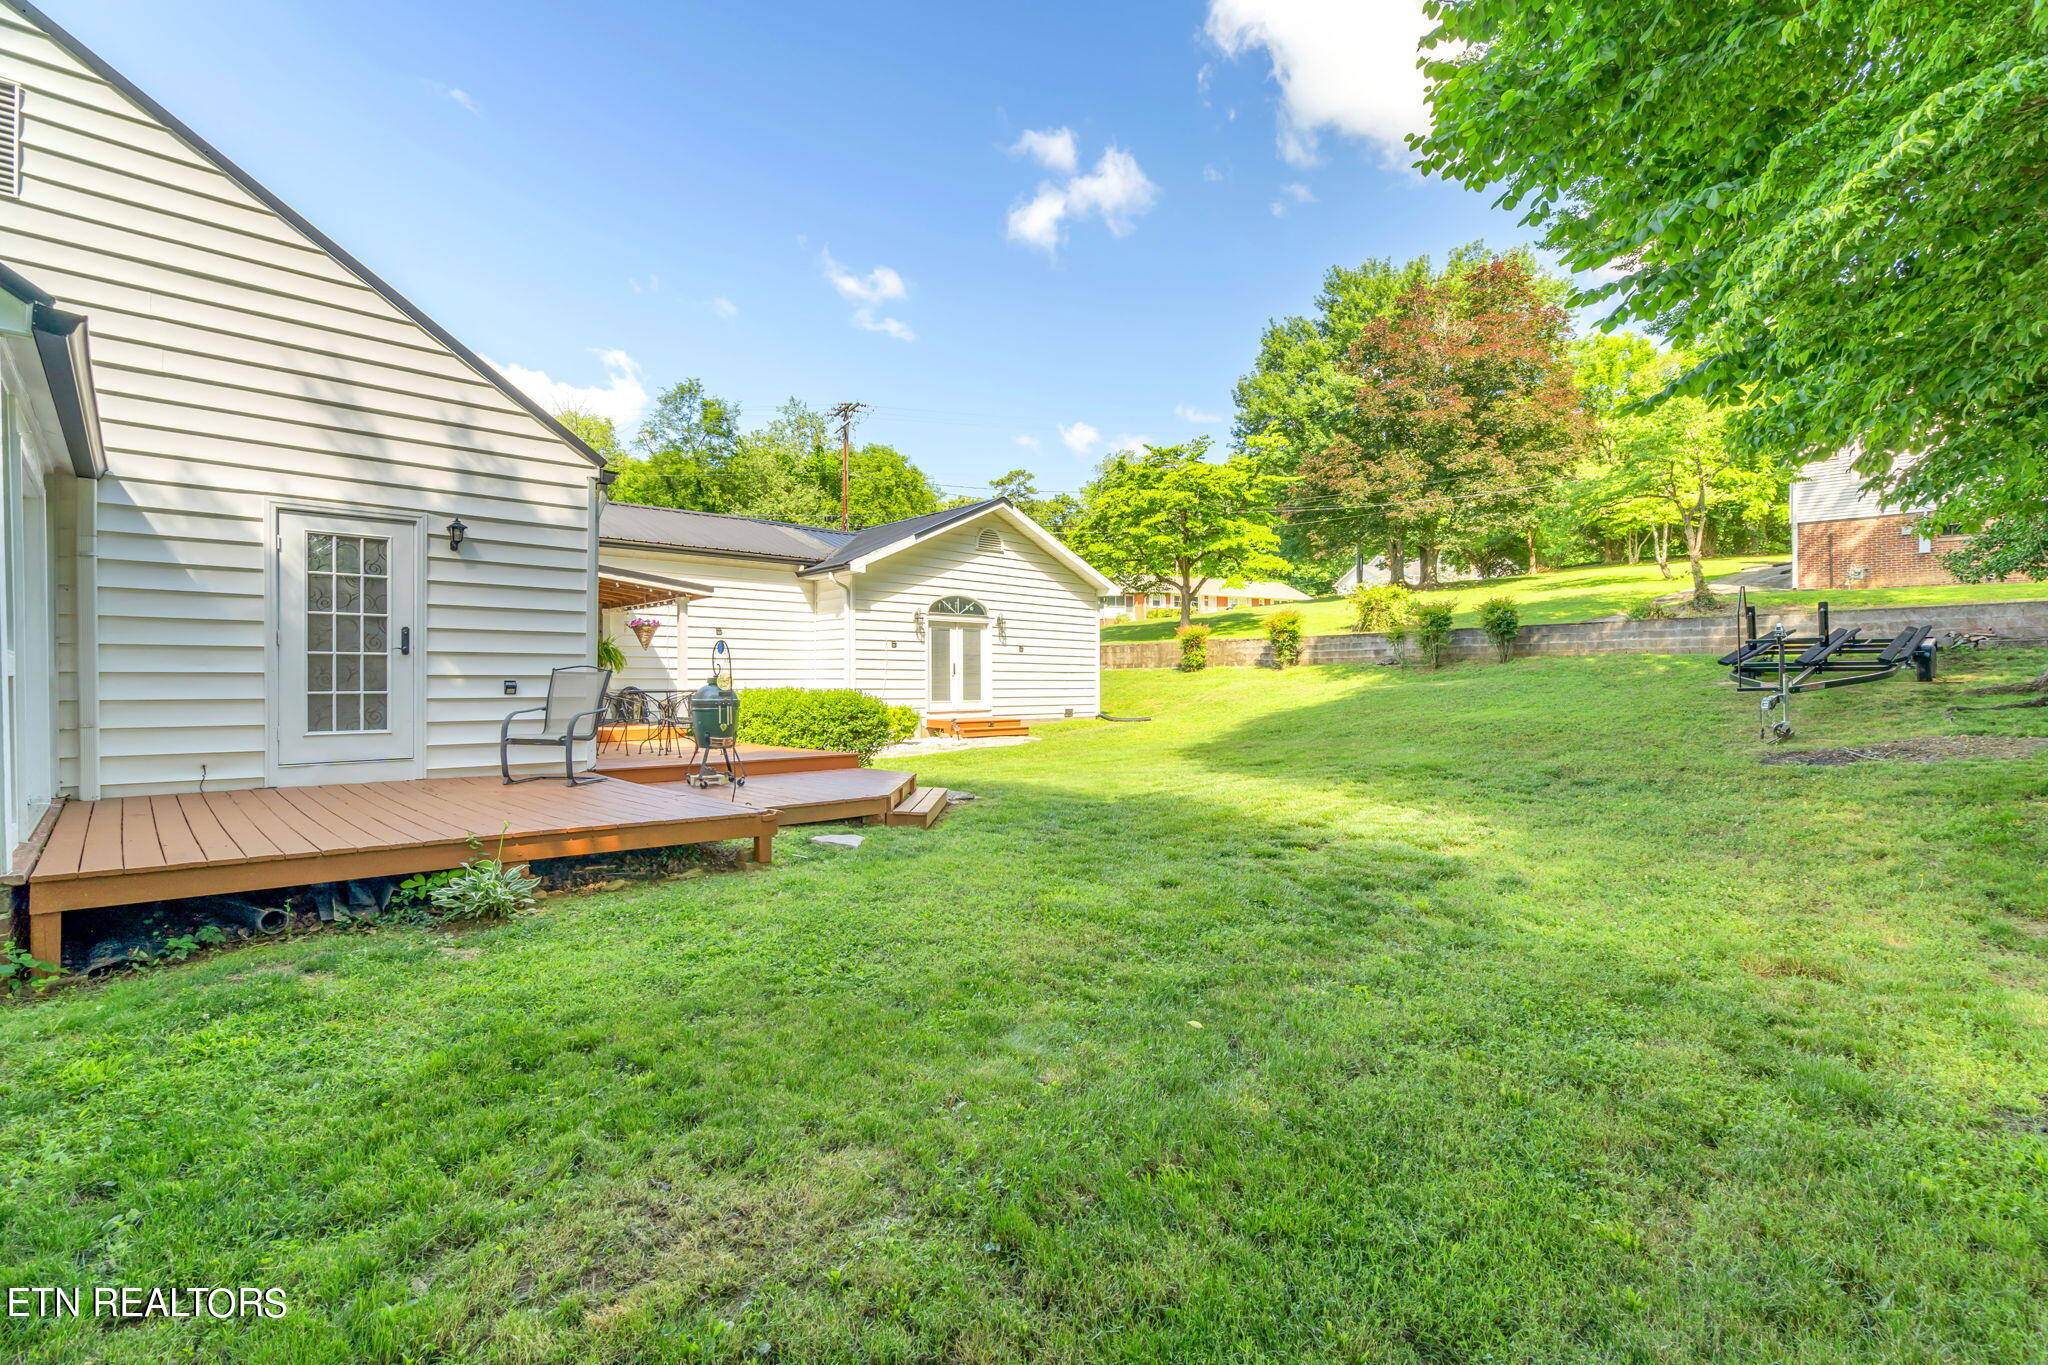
(574, 707)
(668, 721)
(625, 708)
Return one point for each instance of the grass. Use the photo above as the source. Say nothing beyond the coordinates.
(1581, 594)
(1507, 1013)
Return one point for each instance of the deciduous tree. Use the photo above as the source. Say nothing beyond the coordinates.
(1464, 414)
(1838, 204)
(1168, 517)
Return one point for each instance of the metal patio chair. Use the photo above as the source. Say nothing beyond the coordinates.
(574, 707)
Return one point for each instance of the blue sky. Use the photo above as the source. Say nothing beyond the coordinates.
(836, 202)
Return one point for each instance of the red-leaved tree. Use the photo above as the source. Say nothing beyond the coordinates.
(1466, 418)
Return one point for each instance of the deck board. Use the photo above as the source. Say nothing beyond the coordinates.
(123, 850)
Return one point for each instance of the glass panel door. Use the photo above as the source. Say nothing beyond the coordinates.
(347, 677)
(942, 664)
(970, 663)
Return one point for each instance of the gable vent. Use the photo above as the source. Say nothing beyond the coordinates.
(10, 139)
(990, 541)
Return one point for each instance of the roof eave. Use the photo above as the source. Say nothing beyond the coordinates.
(666, 548)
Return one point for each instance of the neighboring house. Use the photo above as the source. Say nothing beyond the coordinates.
(271, 525)
(1211, 594)
(1373, 574)
(973, 611)
(1843, 537)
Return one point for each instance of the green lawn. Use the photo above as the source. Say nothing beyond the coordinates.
(1582, 594)
(1511, 1013)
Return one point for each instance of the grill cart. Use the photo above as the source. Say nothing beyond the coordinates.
(715, 727)
(1779, 663)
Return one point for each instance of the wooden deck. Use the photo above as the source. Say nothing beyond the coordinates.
(628, 762)
(135, 849)
(129, 849)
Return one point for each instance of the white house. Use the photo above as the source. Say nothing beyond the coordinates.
(270, 525)
(1210, 594)
(975, 611)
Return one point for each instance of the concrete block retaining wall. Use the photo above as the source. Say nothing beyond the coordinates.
(2021, 622)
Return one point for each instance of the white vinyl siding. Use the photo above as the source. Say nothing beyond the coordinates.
(782, 631)
(1043, 658)
(239, 366)
(657, 665)
(1832, 490)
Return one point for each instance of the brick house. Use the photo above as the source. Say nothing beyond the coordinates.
(1843, 537)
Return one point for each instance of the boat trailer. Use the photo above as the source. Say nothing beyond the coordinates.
(1779, 663)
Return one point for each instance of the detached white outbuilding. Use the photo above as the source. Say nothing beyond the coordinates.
(975, 611)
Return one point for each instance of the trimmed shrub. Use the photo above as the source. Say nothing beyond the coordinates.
(1433, 630)
(1194, 647)
(1283, 632)
(822, 718)
(1383, 609)
(1501, 619)
(1650, 609)
(1163, 614)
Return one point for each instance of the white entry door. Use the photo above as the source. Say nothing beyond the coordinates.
(348, 687)
(959, 666)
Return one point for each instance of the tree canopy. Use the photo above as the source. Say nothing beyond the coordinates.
(691, 452)
(1169, 517)
(1464, 416)
(1837, 205)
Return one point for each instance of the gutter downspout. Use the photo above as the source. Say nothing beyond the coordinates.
(85, 602)
(846, 607)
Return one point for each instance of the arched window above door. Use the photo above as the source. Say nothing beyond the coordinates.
(957, 606)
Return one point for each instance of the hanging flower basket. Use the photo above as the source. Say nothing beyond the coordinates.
(643, 628)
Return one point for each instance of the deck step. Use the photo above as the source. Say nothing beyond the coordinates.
(982, 727)
(922, 808)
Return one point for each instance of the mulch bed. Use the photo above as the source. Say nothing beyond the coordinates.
(1926, 749)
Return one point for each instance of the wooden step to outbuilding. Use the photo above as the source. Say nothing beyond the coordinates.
(922, 808)
(980, 727)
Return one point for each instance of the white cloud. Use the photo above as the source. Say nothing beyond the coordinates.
(1129, 442)
(1117, 191)
(879, 285)
(650, 285)
(1080, 437)
(1346, 66)
(461, 97)
(725, 308)
(1290, 195)
(1052, 148)
(865, 319)
(1195, 416)
(1030, 443)
(621, 398)
(1211, 174)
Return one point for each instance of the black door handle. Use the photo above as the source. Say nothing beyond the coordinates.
(405, 639)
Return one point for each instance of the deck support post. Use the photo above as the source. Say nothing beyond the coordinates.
(46, 939)
(764, 847)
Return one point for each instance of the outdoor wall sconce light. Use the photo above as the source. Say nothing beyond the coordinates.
(1002, 629)
(918, 620)
(456, 531)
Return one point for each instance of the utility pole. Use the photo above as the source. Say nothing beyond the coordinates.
(846, 412)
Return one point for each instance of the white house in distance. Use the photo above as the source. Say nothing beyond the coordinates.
(1211, 594)
(972, 612)
(266, 524)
